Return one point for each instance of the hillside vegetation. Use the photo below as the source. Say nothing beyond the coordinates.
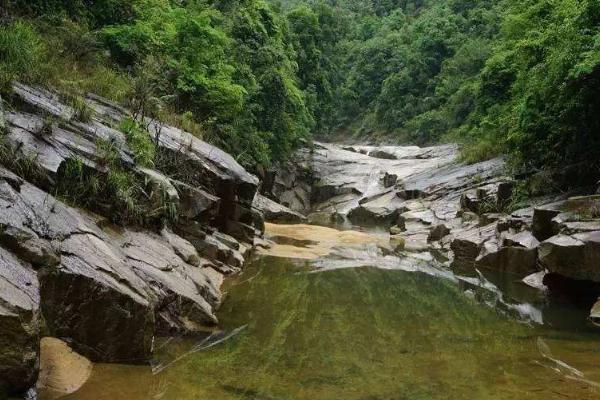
(498, 76)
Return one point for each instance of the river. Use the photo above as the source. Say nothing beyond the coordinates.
(327, 314)
(291, 331)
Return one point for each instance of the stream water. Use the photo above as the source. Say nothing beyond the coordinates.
(293, 332)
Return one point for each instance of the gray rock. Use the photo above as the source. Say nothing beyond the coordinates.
(411, 194)
(19, 325)
(511, 223)
(47, 101)
(182, 247)
(96, 301)
(583, 204)
(28, 246)
(504, 193)
(110, 286)
(183, 296)
(275, 212)
(382, 154)
(438, 232)
(371, 216)
(389, 180)
(536, 280)
(206, 170)
(323, 191)
(160, 183)
(216, 169)
(423, 216)
(196, 203)
(470, 202)
(467, 244)
(512, 259)
(488, 218)
(523, 239)
(576, 257)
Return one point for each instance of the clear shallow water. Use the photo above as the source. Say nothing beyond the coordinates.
(363, 333)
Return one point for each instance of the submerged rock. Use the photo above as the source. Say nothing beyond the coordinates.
(62, 371)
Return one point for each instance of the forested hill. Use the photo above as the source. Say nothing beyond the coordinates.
(520, 77)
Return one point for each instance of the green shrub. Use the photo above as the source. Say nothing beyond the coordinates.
(21, 54)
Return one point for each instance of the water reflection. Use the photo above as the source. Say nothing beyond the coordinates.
(364, 333)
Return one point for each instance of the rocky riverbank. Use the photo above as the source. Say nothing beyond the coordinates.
(107, 267)
(466, 218)
(109, 289)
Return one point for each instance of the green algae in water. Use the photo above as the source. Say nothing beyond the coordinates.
(364, 334)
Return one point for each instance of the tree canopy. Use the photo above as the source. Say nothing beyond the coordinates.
(258, 78)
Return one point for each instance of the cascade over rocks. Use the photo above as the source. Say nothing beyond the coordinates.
(108, 290)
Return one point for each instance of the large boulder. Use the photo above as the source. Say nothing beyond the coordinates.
(19, 325)
(514, 258)
(97, 303)
(184, 296)
(575, 257)
(467, 244)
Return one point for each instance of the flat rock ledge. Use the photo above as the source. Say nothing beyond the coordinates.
(107, 290)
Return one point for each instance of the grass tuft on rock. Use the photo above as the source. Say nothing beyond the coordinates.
(140, 142)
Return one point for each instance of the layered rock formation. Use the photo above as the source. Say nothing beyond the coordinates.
(108, 289)
(456, 212)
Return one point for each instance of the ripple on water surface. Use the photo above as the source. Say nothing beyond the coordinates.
(359, 333)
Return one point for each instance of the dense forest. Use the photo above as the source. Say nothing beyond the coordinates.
(260, 78)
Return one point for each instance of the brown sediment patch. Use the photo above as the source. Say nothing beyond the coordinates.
(318, 241)
(62, 371)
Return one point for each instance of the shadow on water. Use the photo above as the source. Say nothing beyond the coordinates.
(362, 333)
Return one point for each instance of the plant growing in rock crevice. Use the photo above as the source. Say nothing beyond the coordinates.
(83, 112)
(139, 141)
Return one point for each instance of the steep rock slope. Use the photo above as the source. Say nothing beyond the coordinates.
(109, 289)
